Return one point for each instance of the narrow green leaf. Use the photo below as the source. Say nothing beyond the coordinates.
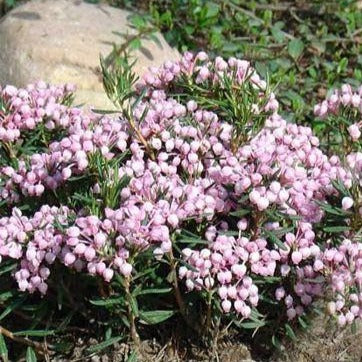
(276, 343)
(132, 357)
(331, 210)
(156, 316)
(240, 213)
(252, 325)
(336, 229)
(275, 239)
(6, 295)
(104, 111)
(134, 306)
(154, 291)
(11, 307)
(3, 349)
(34, 333)
(7, 267)
(30, 355)
(340, 187)
(100, 346)
(289, 332)
(106, 302)
(354, 327)
(193, 241)
(302, 323)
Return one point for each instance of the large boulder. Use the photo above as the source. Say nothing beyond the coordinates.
(60, 42)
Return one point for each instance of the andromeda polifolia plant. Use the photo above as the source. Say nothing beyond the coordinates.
(195, 201)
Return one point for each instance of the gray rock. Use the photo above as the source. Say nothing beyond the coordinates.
(60, 41)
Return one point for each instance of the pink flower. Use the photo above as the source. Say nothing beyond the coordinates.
(297, 257)
(347, 203)
(354, 132)
(226, 305)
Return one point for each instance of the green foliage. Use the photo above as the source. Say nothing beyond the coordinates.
(30, 355)
(304, 47)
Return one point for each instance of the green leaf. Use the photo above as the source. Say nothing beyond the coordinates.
(302, 323)
(193, 241)
(7, 267)
(104, 111)
(275, 239)
(108, 334)
(153, 291)
(137, 20)
(252, 325)
(289, 332)
(106, 302)
(330, 209)
(341, 188)
(276, 343)
(135, 44)
(12, 306)
(156, 316)
(277, 33)
(132, 357)
(100, 346)
(342, 65)
(34, 333)
(3, 349)
(212, 9)
(134, 305)
(240, 213)
(316, 280)
(6, 295)
(295, 48)
(336, 229)
(30, 355)
(354, 327)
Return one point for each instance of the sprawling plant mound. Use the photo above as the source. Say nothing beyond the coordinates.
(197, 200)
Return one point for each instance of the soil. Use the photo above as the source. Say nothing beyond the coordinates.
(324, 342)
(151, 351)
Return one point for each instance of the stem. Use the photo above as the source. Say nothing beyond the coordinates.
(38, 346)
(180, 302)
(9, 150)
(139, 136)
(208, 315)
(176, 288)
(131, 317)
(118, 50)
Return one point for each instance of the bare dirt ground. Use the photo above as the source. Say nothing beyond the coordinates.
(324, 342)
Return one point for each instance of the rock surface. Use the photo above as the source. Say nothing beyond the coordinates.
(60, 42)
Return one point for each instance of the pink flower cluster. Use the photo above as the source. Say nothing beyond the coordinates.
(26, 108)
(343, 265)
(228, 263)
(183, 170)
(69, 156)
(35, 242)
(345, 97)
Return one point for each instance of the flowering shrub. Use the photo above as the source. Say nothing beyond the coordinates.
(198, 180)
